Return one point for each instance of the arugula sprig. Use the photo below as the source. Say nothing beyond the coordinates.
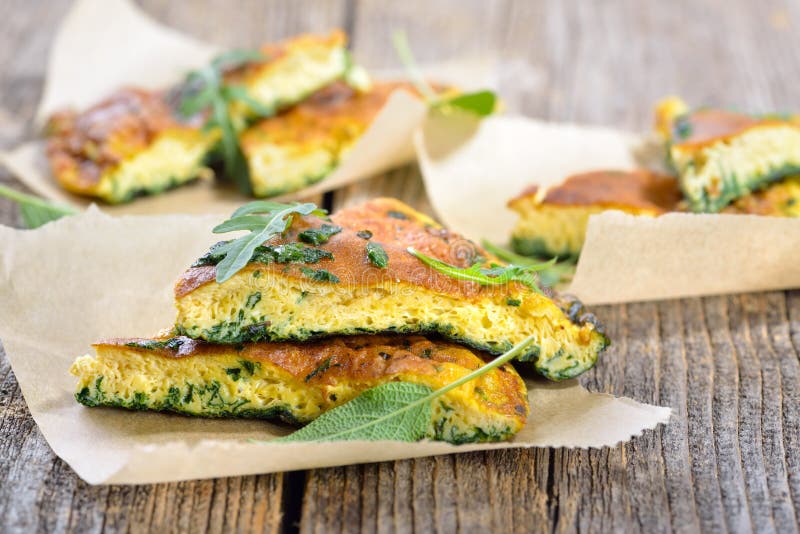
(491, 276)
(205, 90)
(559, 271)
(36, 211)
(481, 103)
(264, 220)
(399, 411)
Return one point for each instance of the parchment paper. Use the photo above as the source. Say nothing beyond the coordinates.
(103, 45)
(92, 276)
(471, 169)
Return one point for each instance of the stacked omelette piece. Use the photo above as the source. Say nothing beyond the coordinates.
(137, 141)
(334, 306)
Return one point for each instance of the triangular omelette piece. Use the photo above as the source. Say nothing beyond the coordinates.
(354, 274)
(552, 221)
(297, 382)
(291, 70)
(721, 156)
(307, 142)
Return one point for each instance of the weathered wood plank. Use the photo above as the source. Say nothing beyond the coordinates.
(785, 326)
(674, 444)
(728, 366)
(750, 405)
(699, 390)
(777, 500)
(726, 415)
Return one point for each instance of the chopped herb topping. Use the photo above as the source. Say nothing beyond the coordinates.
(397, 215)
(288, 253)
(318, 236)
(384, 355)
(377, 255)
(426, 354)
(364, 234)
(324, 366)
(513, 302)
(320, 275)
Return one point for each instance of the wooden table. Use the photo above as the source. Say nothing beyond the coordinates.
(728, 366)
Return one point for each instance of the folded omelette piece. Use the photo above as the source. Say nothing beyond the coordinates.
(291, 71)
(721, 155)
(552, 221)
(307, 142)
(354, 274)
(128, 145)
(298, 382)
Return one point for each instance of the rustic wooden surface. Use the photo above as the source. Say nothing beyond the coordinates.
(730, 458)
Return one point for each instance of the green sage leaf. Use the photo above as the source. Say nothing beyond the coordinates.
(399, 411)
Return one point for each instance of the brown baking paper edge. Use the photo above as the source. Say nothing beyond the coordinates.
(471, 169)
(149, 54)
(94, 276)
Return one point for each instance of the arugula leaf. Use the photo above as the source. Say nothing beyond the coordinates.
(205, 90)
(403, 49)
(236, 58)
(266, 206)
(494, 275)
(36, 211)
(555, 274)
(399, 411)
(274, 220)
(480, 103)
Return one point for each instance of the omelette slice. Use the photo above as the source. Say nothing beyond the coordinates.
(552, 221)
(298, 382)
(353, 274)
(721, 156)
(307, 142)
(781, 199)
(128, 145)
(291, 71)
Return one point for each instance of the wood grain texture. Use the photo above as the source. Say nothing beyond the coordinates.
(728, 366)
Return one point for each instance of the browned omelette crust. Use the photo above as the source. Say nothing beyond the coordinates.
(705, 127)
(82, 146)
(363, 360)
(640, 189)
(336, 113)
(396, 227)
